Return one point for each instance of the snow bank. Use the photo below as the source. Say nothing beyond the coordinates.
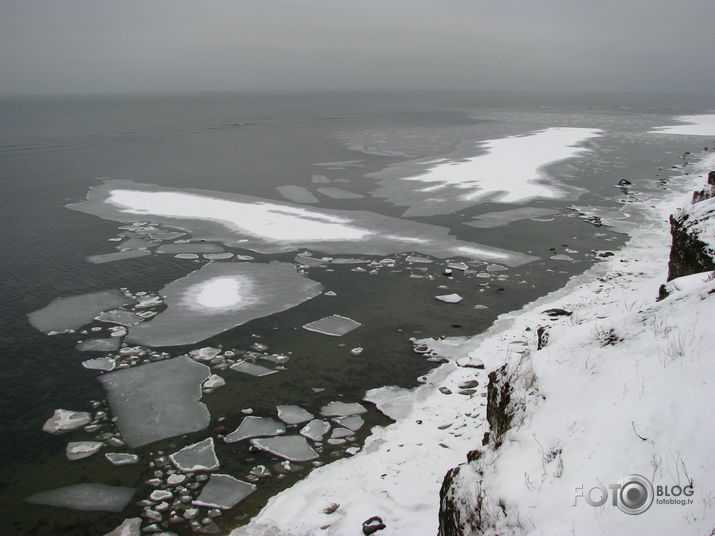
(622, 386)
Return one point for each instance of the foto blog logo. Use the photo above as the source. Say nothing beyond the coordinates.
(634, 494)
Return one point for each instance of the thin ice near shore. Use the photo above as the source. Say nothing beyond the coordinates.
(399, 473)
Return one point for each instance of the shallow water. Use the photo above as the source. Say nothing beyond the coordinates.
(53, 151)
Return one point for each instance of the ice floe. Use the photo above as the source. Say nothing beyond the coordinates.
(119, 316)
(221, 296)
(334, 325)
(110, 344)
(393, 401)
(90, 497)
(449, 298)
(252, 369)
(293, 414)
(105, 364)
(461, 180)
(73, 312)
(342, 409)
(121, 458)
(294, 448)
(190, 247)
(65, 421)
(353, 422)
(315, 430)
(273, 227)
(200, 456)
(158, 400)
(223, 492)
(297, 194)
(255, 427)
(128, 527)
(77, 450)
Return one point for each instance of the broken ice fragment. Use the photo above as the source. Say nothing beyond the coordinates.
(158, 400)
(221, 296)
(309, 261)
(255, 427)
(293, 414)
(505, 217)
(77, 450)
(90, 497)
(200, 456)
(341, 433)
(342, 409)
(223, 492)
(186, 256)
(129, 527)
(450, 298)
(74, 312)
(395, 402)
(293, 448)
(65, 421)
(214, 382)
(315, 430)
(353, 422)
(119, 316)
(418, 259)
(101, 363)
(458, 265)
(205, 354)
(110, 344)
(217, 256)
(252, 369)
(334, 325)
(348, 260)
(121, 458)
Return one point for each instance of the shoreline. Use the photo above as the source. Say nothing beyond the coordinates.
(399, 472)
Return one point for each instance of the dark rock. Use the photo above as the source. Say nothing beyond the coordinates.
(606, 254)
(372, 525)
(499, 412)
(543, 337)
(557, 312)
(688, 254)
(455, 517)
(624, 182)
(711, 177)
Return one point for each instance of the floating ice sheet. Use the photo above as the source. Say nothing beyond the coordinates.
(221, 296)
(449, 184)
(353, 422)
(338, 193)
(200, 456)
(129, 527)
(65, 421)
(134, 244)
(293, 414)
(118, 256)
(334, 325)
(119, 316)
(505, 217)
(342, 409)
(223, 492)
(110, 344)
(101, 363)
(274, 227)
(297, 194)
(450, 298)
(76, 311)
(395, 402)
(90, 497)
(292, 448)
(158, 400)
(309, 261)
(255, 427)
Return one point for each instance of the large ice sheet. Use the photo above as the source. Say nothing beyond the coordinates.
(90, 497)
(221, 296)
(190, 247)
(158, 400)
(269, 226)
(297, 194)
(75, 311)
(449, 184)
(290, 414)
(200, 456)
(118, 256)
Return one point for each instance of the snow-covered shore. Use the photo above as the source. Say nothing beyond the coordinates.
(622, 386)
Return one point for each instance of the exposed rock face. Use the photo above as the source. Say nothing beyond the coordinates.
(688, 254)
(499, 414)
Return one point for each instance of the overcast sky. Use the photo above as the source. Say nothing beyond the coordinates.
(68, 46)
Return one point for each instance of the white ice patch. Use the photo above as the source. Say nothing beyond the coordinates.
(342, 409)
(315, 430)
(504, 178)
(255, 427)
(65, 421)
(293, 414)
(223, 492)
(218, 293)
(75, 311)
(697, 125)
(200, 456)
(393, 401)
(334, 325)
